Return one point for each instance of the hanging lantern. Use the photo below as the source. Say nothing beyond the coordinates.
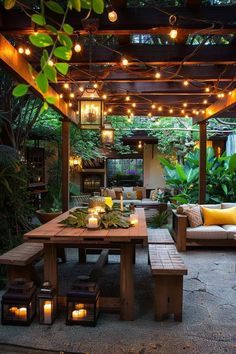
(83, 302)
(19, 303)
(107, 134)
(90, 109)
(47, 304)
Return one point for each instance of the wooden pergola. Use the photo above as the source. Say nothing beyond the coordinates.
(192, 76)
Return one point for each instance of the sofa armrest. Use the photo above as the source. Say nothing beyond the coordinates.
(179, 230)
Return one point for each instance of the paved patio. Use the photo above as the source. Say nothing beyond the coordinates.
(209, 316)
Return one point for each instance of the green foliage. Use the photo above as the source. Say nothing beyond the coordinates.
(20, 90)
(184, 179)
(41, 40)
(159, 219)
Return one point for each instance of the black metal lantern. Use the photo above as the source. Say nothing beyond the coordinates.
(47, 304)
(83, 302)
(90, 109)
(19, 303)
(107, 134)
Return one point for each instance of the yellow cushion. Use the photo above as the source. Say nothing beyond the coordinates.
(219, 216)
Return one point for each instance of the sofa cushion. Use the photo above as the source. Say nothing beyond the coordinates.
(142, 189)
(212, 232)
(219, 217)
(194, 216)
(227, 205)
(128, 189)
(231, 231)
(211, 206)
(130, 195)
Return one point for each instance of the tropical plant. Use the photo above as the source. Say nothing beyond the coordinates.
(184, 179)
(159, 219)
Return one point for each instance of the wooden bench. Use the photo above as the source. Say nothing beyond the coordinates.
(159, 236)
(20, 260)
(168, 269)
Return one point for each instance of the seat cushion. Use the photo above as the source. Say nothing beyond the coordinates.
(211, 206)
(212, 232)
(219, 217)
(231, 231)
(227, 205)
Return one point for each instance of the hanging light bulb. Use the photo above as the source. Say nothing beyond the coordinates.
(186, 116)
(158, 74)
(66, 85)
(173, 33)
(230, 93)
(182, 111)
(207, 89)
(77, 48)
(205, 101)
(112, 14)
(109, 110)
(72, 95)
(134, 104)
(20, 50)
(61, 95)
(95, 85)
(160, 109)
(202, 111)
(194, 111)
(104, 96)
(149, 114)
(105, 113)
(171, 111)
(124, 61)
(186, 83)
(81, 89)
(185, 104)
(27, 51)
(77, 112)
(127, 98)
(50, 62)
(197, 113)
(70, 104)
(128, 111)
(153, 106)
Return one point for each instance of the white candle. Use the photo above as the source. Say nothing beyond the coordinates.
(121, 203)
(133, 219)
(79, 306)
(22, 313)
(47, 312)
(75, 315)
(92, 222)
(78, 314)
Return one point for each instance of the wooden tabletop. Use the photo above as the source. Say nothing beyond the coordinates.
(59, 233)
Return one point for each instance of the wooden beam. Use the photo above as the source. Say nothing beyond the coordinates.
(16, 63)
(65, 164)
(202, 162)
(217, 108)
(137, 20)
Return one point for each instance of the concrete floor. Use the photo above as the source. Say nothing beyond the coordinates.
(209, 313)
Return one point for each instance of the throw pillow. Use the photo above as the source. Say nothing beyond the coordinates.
(194, 216)
(128, 189)
(111, 193)
(153, 194)
(130, 195)
(118, 194)
(219, 216)
(143, 189)
(139, 194)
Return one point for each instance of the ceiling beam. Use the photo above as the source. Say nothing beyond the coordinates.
(16, 62)
(217, 108)
(137, 20)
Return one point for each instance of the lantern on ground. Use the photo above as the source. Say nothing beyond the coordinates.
(19, 303)
(107, 134)
(83, 302)
(47, 304)
(90, 109)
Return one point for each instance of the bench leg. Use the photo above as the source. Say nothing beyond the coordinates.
(168, 296)
(82, 255)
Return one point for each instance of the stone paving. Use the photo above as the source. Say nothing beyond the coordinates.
(209, 314)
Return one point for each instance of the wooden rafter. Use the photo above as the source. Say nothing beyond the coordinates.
(218, 107)
(16, 62)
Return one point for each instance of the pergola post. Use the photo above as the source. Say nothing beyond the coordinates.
(202, 162)
(65, 164)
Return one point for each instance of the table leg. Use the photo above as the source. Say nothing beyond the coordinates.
(50, 264)
(126, 282)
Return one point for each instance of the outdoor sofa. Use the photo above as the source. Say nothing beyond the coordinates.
(203, 235)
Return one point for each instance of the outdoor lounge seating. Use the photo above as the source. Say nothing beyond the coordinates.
(204, 235)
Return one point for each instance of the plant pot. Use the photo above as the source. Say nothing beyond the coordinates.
(45, 217)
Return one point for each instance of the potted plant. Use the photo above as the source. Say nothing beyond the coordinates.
(51, 206)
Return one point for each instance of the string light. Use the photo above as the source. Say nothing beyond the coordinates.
(112, 14)
(182, 111)
(171, 111)
(66, 85)
(70, 104)
(50, 62)
(160, 109)
(153, 106)
(149, 114)
(109, 110)
(105, 113)
(194, 111)
(77, 48)
(197, 113)
(81, 89)
(72, 95)
(61, 95)
(185, 104)
(134, 104)
(95, 85)
(158, 74)
(124, 61)
(186, 116)
(202, 111)
(77, 112)
(127, 98)
(207, 89)
(27, 51)
(205, 101)
(20, 50)
(128, 111)
(221, 95)
(173, 33)
(185, 83)
(230, 93)
(104, 96)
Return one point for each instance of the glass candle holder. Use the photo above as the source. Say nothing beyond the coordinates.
(134, 219)
(93, 221)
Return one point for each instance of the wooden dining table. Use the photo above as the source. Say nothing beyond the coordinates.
(54, 234)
